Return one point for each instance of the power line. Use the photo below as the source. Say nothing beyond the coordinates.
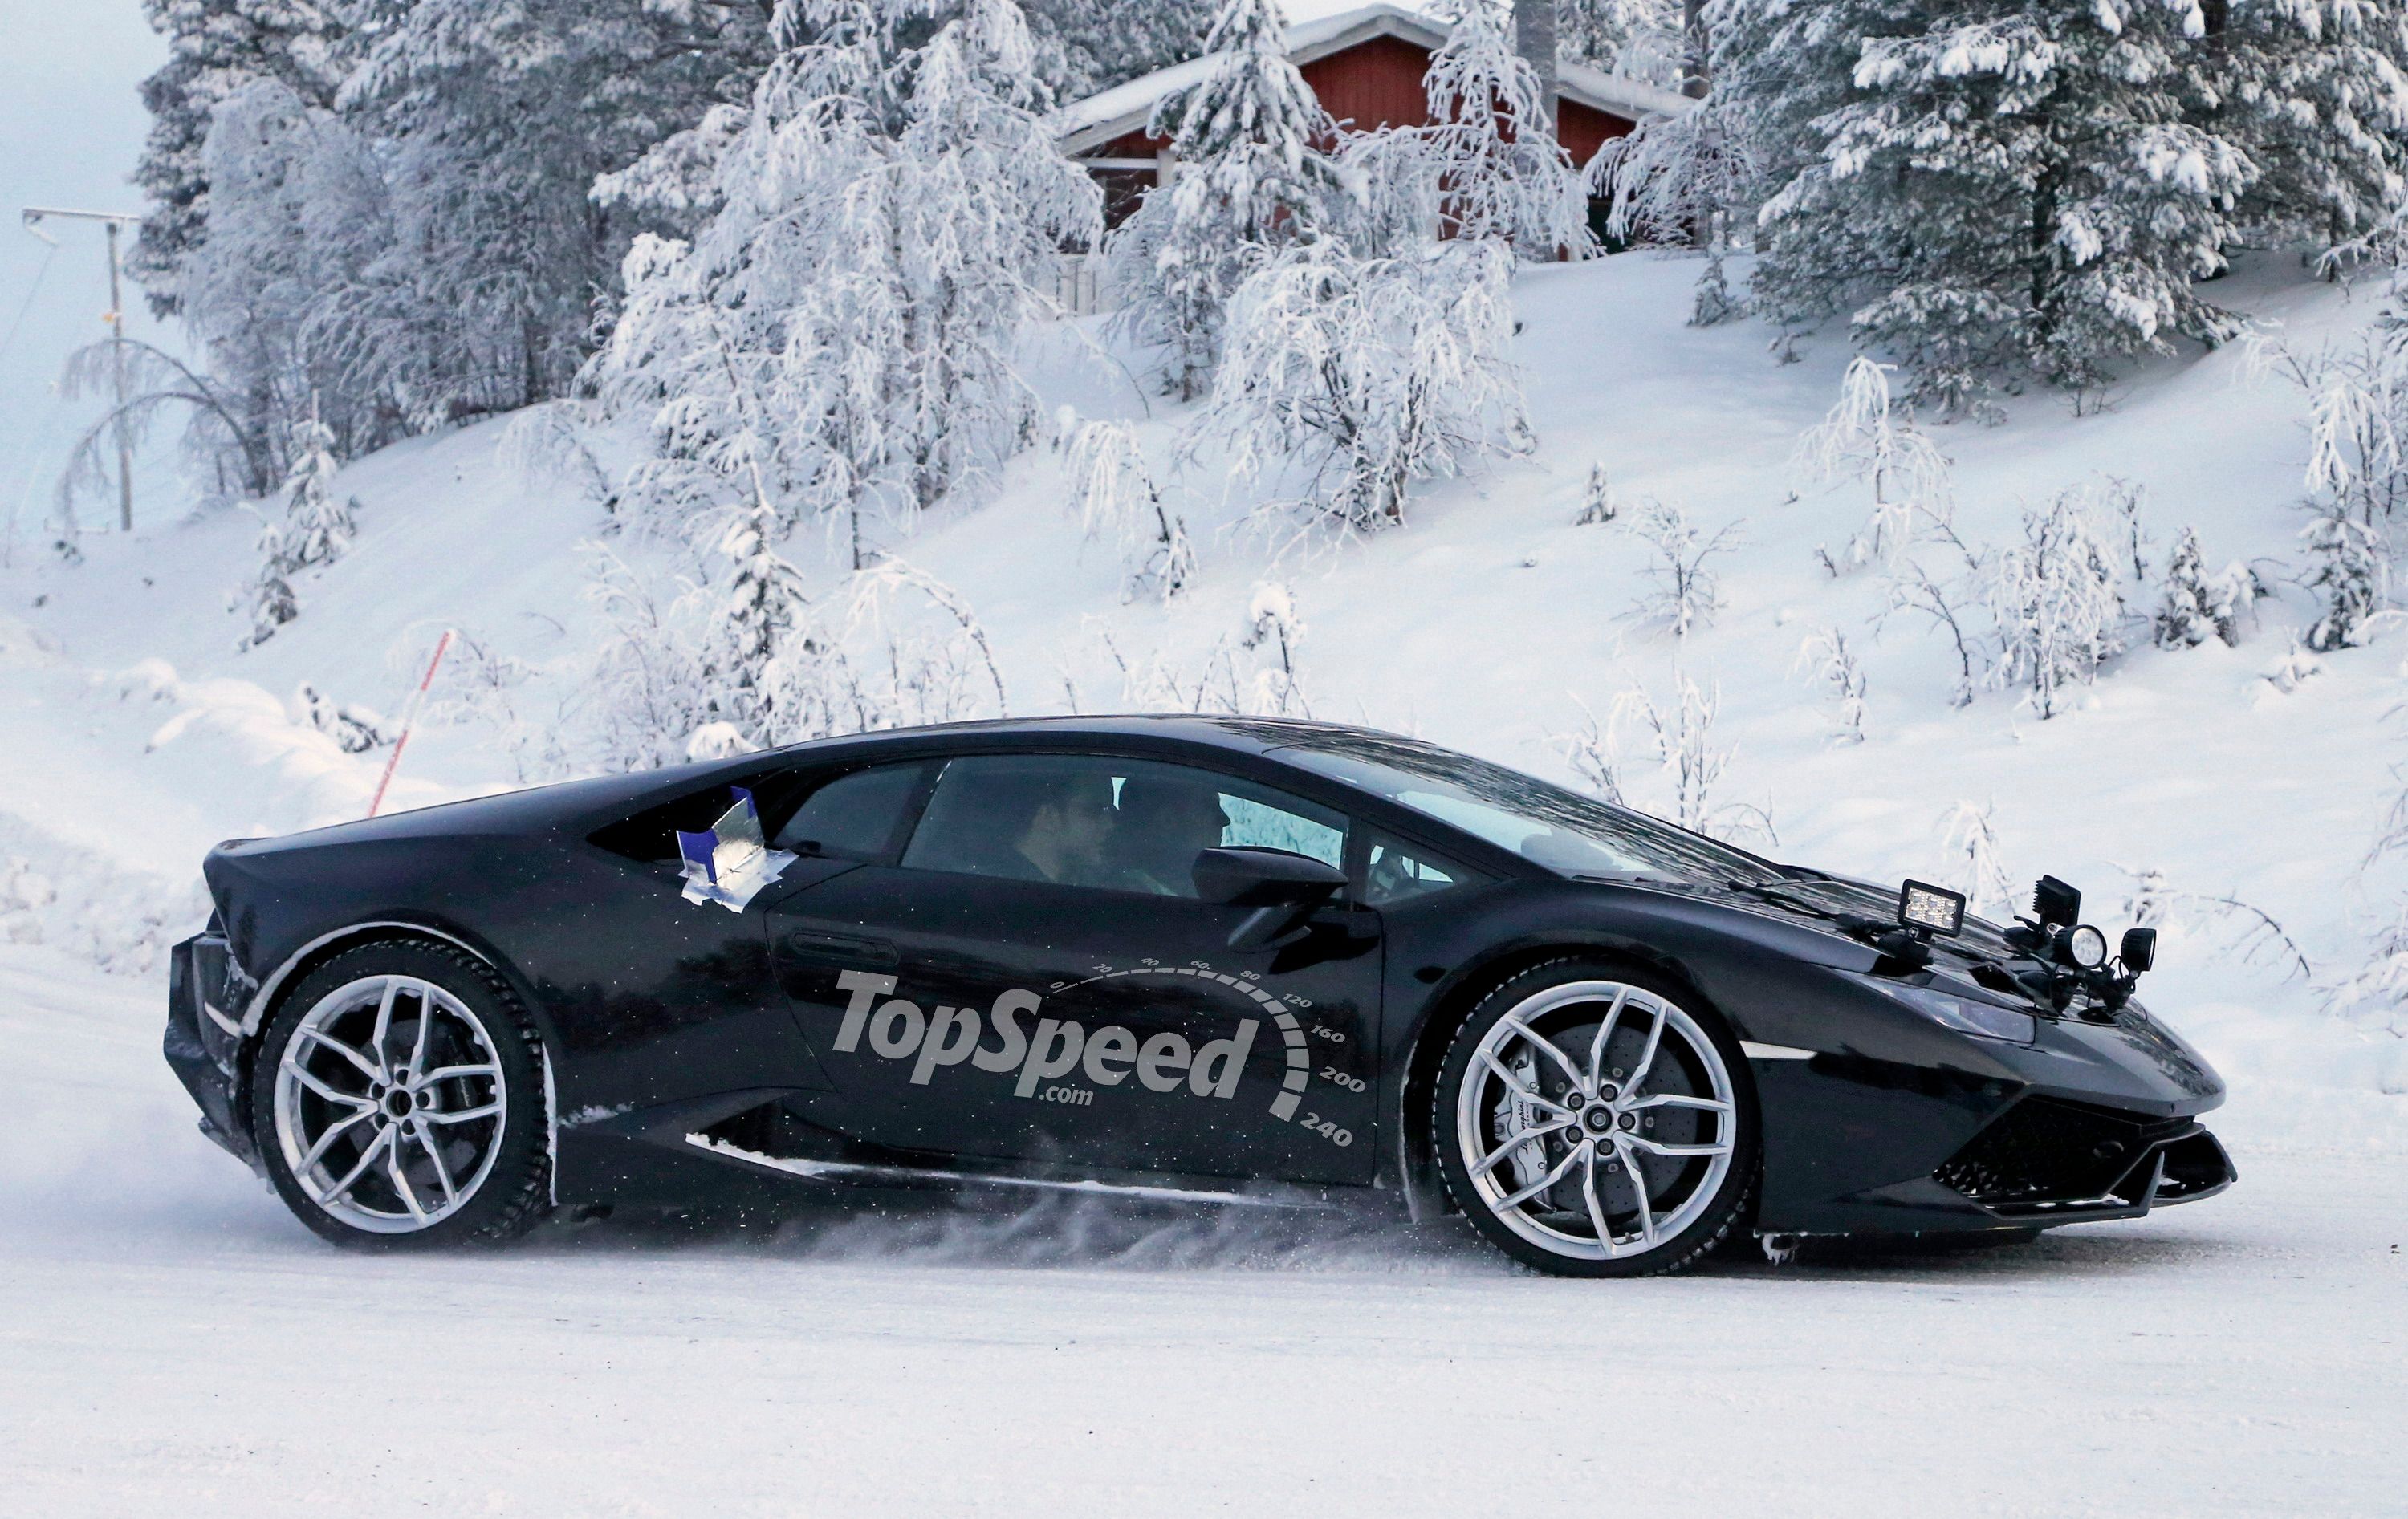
(39, 275)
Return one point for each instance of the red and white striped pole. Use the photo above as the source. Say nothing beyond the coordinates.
(409, 719)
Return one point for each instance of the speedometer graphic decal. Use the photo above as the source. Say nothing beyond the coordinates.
(1300, 1056)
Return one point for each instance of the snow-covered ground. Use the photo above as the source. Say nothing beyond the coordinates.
(174, 1342)
(173, 1337)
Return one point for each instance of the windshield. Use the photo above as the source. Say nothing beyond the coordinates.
(1546, 825)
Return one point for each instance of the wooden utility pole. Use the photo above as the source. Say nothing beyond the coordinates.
(115, 317)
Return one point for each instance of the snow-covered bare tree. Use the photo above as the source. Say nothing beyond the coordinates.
(1492, 138)
(913, 653)
(1693, 763)
(1866, 438)
(1367, 375)
(1251, 177)
(836, 340)
(2194, 605)
(1119, 500)
(2054, 603)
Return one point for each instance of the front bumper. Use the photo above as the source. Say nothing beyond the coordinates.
(204, 1039)
(1894, 1129)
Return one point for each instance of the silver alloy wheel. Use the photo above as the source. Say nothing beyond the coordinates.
(1597, 1120)
(390, 1104)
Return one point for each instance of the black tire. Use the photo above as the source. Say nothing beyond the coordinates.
(512, 1192)
(1727, 1208)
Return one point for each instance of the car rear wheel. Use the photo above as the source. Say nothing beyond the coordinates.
(398, 1100)
(1590, 1123)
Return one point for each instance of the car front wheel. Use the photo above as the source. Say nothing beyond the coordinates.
(1590, 1123)
(398, 1100)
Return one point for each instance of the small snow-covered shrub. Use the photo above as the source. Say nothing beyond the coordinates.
(2054, 605)
(1687, 592)
(1968, 850)
(1836, 670)
(1693, 763)
(2194, 605)
(355, 728)
(1593, 755)
(1369, 374)
(1118, 499)
(1599, 505)
(1274, 629)
(1866, 439)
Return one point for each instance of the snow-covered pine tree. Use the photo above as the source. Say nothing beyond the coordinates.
(319, 526)
(2349, 567)
(1492, 136)
(764, 668)
(2002, 184)
(1598, 504)
(1864, 438)
(1085, 46)
(495, 117)
(1118, 499)
(273, 603)
(1639, 40)
(2054, 603)
(2314, 93)
(1250, 177)
(2194, 605)
(1366, 375)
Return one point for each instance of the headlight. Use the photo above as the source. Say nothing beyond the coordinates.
(2083, 948)
(1985, 1020)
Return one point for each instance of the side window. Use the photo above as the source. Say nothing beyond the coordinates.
(1114, 825)
(1397, 871)
(856, 816)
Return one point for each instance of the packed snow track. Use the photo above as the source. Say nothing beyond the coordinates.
(175, 1340)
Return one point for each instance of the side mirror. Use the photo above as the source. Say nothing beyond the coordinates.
(1282, 887)
(2138, 951)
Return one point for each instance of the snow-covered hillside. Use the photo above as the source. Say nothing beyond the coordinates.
(920, 1364)
(1491, 621)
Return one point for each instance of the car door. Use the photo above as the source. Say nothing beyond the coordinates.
(1036, 979)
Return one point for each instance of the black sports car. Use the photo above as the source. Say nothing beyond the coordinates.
(1217, 960)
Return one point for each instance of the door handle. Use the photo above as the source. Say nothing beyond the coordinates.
(844, 950)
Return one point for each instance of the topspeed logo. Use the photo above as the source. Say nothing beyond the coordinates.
(899, 1030)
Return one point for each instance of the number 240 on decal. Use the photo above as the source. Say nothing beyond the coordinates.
(1326, 1129)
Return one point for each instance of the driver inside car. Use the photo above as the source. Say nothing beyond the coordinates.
(1070, 820)
(1164, 824)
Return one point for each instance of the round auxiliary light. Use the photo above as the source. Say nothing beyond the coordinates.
(2085, 948)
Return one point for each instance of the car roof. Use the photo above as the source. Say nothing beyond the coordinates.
(1230, 733)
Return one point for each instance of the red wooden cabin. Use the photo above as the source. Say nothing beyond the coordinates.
(1365, 64)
